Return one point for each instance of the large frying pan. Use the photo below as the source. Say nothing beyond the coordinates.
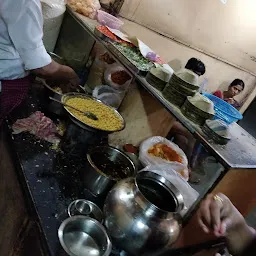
(71, 95)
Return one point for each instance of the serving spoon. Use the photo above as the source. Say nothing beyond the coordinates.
(86, 113)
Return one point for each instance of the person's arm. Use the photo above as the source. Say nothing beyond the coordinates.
(223, 219)
(55, 71)
(24, 22)
(218, 94)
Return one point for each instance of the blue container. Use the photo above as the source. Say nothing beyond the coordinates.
(224, 110)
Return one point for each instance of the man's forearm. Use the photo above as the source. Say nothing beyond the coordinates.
(53, 71)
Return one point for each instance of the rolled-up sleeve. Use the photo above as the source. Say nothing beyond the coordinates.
(25, 27)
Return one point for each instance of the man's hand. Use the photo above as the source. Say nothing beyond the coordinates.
(59, 73)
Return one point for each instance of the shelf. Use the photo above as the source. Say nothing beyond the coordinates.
(240, 152)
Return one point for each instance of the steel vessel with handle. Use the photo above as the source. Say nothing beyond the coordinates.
(142, 214)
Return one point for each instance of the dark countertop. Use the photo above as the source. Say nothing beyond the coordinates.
(51, 179)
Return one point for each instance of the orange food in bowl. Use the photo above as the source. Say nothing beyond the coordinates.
(163, 151)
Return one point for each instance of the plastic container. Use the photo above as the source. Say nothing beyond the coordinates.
(109, 20)
(224, 110)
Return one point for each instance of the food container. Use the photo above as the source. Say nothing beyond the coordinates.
(109, 95)
(81, 235)
(142, 214)
(109, 20)
(131, 57)
(117, 77)
(85, 208)
(217, 130)
(81, 124)
(106, 165)
(224, 110)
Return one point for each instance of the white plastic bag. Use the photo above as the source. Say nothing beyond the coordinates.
(108, 77)
(108, 95)
(53, 13)
(101, 62)
(148, 159)
(87, 8)
(189, 194)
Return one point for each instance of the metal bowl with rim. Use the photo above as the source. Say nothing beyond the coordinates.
(71, 95)
(80, 235)
(85, 208)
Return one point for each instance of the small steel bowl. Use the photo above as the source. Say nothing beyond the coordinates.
(85, 208)
(80, 235)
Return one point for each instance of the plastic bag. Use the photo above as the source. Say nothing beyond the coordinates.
(166, 170)
(148, 159)
(102, 61)
(87, 8)
(122, 75)
(53, 13)
(108, 95)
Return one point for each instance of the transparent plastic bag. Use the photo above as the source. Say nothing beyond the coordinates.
(101, 62)
(108, 95)
(166, 170)
(87, 8)
(148, 159)
(114, 69)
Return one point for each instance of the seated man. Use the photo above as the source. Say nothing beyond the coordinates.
(236, 87)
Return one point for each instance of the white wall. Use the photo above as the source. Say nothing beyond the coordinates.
(227, 31)
(218, 34)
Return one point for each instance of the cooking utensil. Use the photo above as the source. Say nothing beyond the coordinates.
(71, 95)
(106, 165)
(50, 105)
(82, 88)
(142, 214)
(81, 235)
(86, 208)
(87, 114)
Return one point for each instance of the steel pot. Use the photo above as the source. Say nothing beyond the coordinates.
(80, 235)
(74, 119)
(142, 214)
(106, 165)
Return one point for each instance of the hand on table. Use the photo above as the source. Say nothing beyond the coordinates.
(218, 215)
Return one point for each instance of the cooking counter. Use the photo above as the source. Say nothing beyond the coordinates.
(50, 179)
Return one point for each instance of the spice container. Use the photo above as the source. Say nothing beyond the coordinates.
(117, 77)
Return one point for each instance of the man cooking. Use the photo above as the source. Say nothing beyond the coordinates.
(22, 53)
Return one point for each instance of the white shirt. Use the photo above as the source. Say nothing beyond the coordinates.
(21, 32)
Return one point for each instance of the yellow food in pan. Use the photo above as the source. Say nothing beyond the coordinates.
(108, 120)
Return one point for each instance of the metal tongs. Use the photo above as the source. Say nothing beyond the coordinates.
(86, 113)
